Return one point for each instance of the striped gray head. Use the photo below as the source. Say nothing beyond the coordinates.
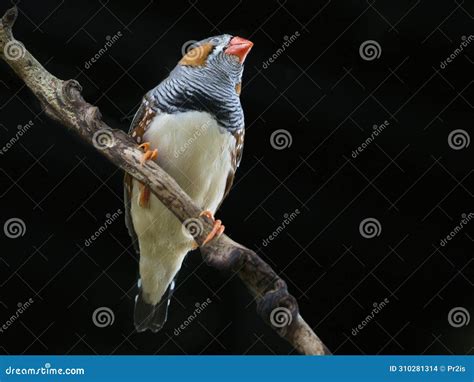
(220, 56)
(208, 78)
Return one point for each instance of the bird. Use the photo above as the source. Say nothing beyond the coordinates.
(192, 125)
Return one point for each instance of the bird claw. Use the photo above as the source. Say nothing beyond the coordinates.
(217, 229)
(208, 214)
(148, 154)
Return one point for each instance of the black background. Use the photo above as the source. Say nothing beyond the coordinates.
(328, 98)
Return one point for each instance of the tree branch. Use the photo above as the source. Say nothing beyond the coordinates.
(62, 101)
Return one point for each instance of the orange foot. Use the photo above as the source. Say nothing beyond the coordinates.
(148, 154)
(217, 229)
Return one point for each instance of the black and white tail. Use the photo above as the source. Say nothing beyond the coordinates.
(152, 317)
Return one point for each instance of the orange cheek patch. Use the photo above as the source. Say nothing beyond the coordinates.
(197, 56)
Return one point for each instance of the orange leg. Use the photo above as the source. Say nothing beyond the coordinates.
(217, 229)
(148, 154)
(145, 190)
(144, 196)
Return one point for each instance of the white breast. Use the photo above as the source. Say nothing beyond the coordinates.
(197, 153)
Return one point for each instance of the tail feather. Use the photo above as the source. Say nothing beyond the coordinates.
(152, 317)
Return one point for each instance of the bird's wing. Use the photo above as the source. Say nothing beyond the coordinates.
(140, 122)
(236, 157)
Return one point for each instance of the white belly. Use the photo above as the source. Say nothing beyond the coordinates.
(198, 155)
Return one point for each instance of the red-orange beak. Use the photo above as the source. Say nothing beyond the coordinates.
(239, 47)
